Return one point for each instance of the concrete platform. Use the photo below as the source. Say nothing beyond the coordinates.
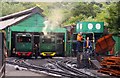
(11, 72)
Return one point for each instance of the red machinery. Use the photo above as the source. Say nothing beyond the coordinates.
(104, 44)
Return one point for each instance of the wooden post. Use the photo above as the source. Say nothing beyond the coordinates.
(2, 57)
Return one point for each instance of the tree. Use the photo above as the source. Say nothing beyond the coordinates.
(84, 12)
(11, 7)
(86, 9)
(114, 17)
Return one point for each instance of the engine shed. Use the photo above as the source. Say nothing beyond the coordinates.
(27, 21)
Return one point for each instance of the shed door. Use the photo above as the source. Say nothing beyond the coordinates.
(36, 40)
(60, 44)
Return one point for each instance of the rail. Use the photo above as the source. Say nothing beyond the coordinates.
(2, 71)
(38, 68)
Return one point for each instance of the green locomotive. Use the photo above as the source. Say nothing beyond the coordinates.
(23, 44)
(52, 44)
(48, 45)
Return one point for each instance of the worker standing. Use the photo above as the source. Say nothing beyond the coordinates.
(36, 50)
(87, 45)
(79, 42)
(79, 51)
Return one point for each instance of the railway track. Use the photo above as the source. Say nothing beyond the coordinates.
(58, 68)
(64, 65)
(23, 64)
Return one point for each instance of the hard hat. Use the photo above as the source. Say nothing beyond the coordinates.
(80, 33)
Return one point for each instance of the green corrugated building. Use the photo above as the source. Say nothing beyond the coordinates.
(117, 44)
(30, 20)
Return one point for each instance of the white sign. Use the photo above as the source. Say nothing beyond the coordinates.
(80, 26)
(77, 25)
(98, 26)
(90, 26)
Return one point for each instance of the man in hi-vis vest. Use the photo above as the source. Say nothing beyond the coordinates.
(79, 50)
(87, 45)
(79, 42)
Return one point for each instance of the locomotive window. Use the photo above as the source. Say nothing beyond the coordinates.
(59, 40)
(48, 40)
(52, 40)
(23, 39)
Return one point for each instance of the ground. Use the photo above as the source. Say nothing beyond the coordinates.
(11, 71)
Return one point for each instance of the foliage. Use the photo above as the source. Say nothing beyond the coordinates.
(8, 8)
(12, 7)
(87, 9)
(74, 19)
(73, 11)
(114, 17)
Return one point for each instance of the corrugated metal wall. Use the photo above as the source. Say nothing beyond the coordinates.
(117, 44)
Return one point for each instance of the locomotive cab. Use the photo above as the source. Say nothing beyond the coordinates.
(23, 44)
(47, 45)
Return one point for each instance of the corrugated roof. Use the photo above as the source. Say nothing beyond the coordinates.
(9, 22)
(24, 12)
(14, 18)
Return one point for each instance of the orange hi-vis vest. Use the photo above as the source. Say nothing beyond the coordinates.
(79, 37)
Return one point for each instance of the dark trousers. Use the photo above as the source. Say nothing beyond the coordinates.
(89, 52)
(86, 55)
(79, 59)
(79, 45)
(83, 60)
(36, 53)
